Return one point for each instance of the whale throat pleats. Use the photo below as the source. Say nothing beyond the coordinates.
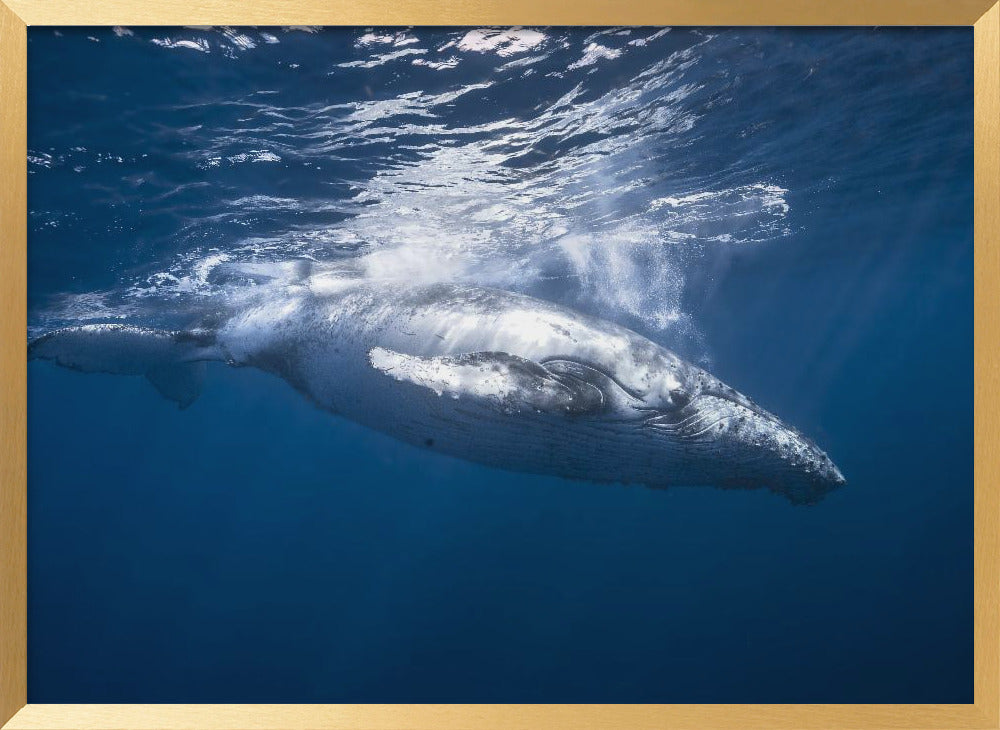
(172, 361)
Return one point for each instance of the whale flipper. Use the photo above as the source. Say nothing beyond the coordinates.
(507, 382)
(172, 361)
(180, 382)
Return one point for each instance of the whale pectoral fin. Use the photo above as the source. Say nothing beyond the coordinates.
(497, 379)
(172, 361)
(180, 383)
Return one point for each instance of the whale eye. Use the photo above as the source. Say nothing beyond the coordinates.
(679, 398)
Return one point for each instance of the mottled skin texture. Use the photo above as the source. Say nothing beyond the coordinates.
(493, 377)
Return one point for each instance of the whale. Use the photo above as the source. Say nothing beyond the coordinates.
(486, 375)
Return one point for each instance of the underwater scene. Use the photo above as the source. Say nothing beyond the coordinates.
(500, 365)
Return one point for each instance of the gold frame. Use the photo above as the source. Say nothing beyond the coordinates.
(16, 15)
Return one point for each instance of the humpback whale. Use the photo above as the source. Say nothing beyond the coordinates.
(482, 374)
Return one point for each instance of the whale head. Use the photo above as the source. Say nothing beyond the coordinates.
(743, 444)
(695, 429)
(751, 447)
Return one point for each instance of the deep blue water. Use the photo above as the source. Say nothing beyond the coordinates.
(790, 208)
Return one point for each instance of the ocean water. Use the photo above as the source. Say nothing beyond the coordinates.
(789, 208)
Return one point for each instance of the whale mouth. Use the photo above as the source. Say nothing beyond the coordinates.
(761, 449)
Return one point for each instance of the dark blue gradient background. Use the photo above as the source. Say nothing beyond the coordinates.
(254, 549)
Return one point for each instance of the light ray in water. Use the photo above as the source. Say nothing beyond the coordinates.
(581, 192)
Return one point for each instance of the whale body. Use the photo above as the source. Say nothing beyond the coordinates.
(481, 374)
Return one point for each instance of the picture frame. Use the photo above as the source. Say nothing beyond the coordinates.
(16, 15)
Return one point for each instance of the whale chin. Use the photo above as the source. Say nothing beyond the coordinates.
(798, 488)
